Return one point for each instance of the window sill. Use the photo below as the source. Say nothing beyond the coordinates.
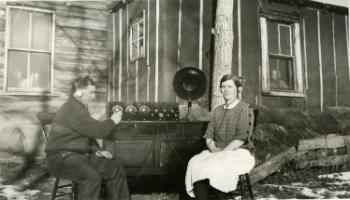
(283, 94)
(45, 94)
(136, 58)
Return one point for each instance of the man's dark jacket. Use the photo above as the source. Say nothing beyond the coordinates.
(73, 129)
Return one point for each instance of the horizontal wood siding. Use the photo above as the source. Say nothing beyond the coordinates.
(80, 47)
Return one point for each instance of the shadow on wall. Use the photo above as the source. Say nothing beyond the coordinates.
(21, 145)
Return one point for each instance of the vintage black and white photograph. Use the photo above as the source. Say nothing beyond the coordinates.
(174, 99)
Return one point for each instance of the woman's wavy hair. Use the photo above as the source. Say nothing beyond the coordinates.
(239, 81)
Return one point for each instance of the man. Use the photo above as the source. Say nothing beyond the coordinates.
(72, 152)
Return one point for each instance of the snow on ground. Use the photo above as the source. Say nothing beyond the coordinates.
(328, 186)
(12, 192)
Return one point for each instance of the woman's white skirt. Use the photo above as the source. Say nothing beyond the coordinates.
(221, 168)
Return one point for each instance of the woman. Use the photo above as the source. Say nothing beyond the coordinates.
(226, 137)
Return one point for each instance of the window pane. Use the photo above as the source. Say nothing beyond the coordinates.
(19, 28)
(134, 32)
(17, 70)
(39, 71)
(141, 29)
(285, 39)
(272, 36)
(41, 31)
(134, 49)
(281, 73)
(142, 48)
(286, 73)
(273, 74)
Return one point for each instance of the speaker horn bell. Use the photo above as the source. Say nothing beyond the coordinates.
(190, 83)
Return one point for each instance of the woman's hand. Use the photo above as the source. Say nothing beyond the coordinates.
(105, 154)
(234, 145)
(211, 145)
(216, 149)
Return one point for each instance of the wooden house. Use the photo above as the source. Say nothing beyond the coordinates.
(291, 54)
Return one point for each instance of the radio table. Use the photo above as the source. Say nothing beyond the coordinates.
(155, 147)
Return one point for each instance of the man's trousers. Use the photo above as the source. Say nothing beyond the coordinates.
(89, 172)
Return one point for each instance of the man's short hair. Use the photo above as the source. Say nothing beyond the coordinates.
(237, 80)
(82, 82)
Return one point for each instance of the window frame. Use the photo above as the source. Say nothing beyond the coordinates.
(296, 54)
(29, 92)
(137, 21)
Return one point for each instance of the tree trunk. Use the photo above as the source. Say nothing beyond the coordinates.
(223, 47)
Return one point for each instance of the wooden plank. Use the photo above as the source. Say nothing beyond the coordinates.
(81, 33)
(272, 165)
(2, 22)
(168, 26)
(152, 49)
(76, 67)
(251, 49)
(342, 60)
(313, 92)
(324, 162)
(77, 43)
(63, 58)
(124, 48)
(327, 60)
(67, 6)
(329, 141)
(82, 55)
(314, 154)
(64, 21)
(190, 32)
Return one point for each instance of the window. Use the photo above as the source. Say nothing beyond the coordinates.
(281, 57)
(137, 38)
(29, 50)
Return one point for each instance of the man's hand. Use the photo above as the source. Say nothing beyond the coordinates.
(117, 117)
(105, 154)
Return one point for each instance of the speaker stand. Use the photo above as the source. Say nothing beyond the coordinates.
(188, 117)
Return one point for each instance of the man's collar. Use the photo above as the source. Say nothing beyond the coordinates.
(74, 99)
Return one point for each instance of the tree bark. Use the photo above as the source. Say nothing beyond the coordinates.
(223, 47)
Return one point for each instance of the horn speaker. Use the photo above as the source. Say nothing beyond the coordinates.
(189, 83)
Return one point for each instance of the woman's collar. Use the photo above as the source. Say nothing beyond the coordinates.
(231, 104)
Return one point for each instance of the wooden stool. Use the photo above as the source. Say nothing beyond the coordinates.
(244, 179)
(58, 189)
(247, 183)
